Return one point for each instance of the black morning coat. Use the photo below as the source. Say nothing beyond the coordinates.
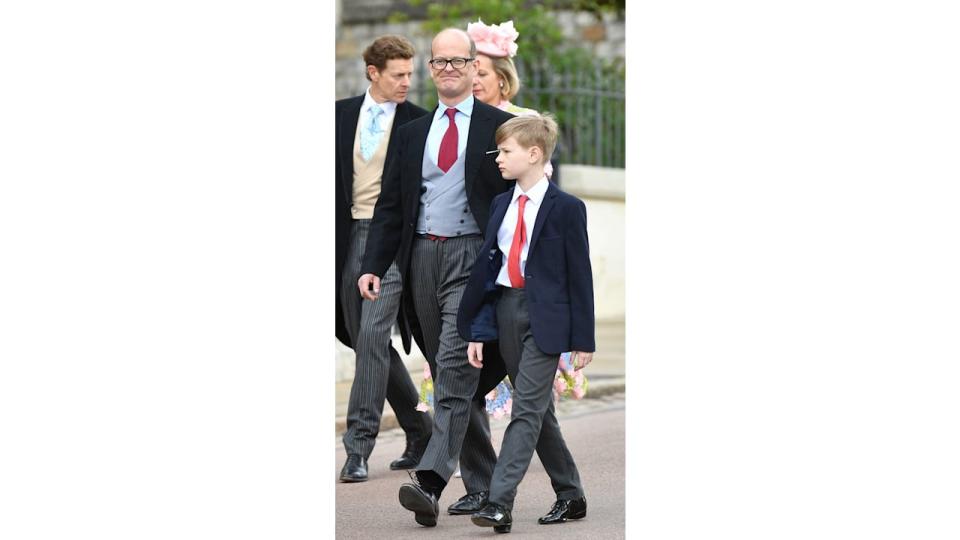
(348, 113)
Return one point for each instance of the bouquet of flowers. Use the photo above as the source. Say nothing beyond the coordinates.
(569, 383)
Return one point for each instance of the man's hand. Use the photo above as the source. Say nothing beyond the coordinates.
(581, 359)
(475, 354)
(369, 285)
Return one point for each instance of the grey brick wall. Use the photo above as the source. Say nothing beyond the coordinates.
(361, 21)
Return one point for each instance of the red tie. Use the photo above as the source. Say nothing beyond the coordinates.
(448, 145)
(519, 239)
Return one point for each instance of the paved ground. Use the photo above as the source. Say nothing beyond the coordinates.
(594, 430)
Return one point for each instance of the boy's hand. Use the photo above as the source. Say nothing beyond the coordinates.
(369, 286)
(475, 354)
(581, 359)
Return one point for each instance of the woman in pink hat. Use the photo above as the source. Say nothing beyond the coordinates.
(497, 81)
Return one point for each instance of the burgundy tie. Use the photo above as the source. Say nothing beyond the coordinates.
(448, 145)
(519, 239)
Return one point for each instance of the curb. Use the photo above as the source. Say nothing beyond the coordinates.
(596, 390)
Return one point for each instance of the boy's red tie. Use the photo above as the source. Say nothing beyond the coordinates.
(448, 145)
(519, 239)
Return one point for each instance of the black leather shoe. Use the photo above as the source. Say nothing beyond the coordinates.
(468, 504)
(421, 502)
(493, 515)
(354, 470)
(564, 510)
(411, 455)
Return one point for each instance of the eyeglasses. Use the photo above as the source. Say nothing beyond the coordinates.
(441, 63)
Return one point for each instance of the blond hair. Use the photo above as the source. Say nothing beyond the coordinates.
(529, 131)
(507, 71)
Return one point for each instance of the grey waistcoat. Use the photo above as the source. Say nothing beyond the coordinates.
(444, 210)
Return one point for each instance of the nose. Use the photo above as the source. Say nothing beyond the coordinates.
(499, 158)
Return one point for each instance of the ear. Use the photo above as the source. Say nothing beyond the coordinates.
(373, 73)
(535, 153)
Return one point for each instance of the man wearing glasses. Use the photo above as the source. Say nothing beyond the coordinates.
(433, 207)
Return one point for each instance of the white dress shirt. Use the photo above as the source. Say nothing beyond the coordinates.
(385, 120)
(439, 127)
(509, 225)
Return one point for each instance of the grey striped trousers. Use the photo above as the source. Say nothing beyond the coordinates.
(438, 275)
(380, 373)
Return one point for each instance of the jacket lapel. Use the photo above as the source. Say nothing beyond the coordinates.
(481, 131)
(496, 217)
(347, 136)
(490, 247)
(417, 143)
(400, 118)
(545, 208)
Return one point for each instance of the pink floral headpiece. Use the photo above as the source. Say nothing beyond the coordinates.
(497, 40)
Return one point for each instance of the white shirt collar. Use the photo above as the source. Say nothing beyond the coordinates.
(464, 107)
(389, 107)
(536, 193)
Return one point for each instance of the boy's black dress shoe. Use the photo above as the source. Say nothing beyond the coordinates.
(564, 510)
(493, 515)
(468, 504)
(421, 502)
(411, 455)
(354, 470)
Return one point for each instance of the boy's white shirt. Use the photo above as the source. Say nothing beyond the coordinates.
(509, 224)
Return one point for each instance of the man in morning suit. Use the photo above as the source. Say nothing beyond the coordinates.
(430, 216)
(366, 128)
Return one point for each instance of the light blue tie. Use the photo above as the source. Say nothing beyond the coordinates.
(370, 136)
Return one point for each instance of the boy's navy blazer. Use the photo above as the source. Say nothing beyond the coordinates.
(558, 277)
(347, 116)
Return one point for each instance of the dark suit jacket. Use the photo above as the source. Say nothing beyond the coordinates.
(348, 113)
(557, 278)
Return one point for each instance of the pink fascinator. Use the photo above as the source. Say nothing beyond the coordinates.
(496, 40)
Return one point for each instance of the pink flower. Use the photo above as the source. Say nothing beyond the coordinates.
(422, 407)
(496, 40)
(426, 370)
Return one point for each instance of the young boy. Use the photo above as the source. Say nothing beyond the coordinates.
(531, 288)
